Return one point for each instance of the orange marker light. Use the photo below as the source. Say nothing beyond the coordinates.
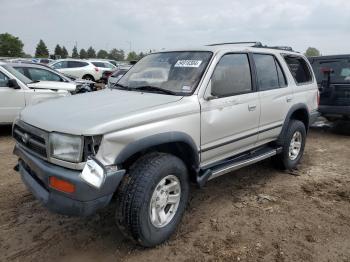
(61, 185)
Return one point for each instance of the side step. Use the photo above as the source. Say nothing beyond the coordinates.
(232, 164)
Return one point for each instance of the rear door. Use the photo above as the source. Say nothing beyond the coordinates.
(230, 117)
(11, 100)
(275, 95)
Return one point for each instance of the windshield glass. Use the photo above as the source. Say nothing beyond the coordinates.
(17, 74)
(178, 72)
(339, 70)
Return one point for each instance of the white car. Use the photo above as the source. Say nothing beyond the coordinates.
(17, 92)
(78, 68)
(103, 65)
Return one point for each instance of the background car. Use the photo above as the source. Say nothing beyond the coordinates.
(38, 72)
(333, 78)
(116, 75)
(106, 68)
(17, 91)
(78, 68)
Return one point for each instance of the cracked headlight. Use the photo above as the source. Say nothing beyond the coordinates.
(66, 147)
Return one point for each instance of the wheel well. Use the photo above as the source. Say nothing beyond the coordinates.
(301, 115)
(88, 75)
(180, 149)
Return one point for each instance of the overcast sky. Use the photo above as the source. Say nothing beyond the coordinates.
(157, 24)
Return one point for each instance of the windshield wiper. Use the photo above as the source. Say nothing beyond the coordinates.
(155, 88)
(116, 85)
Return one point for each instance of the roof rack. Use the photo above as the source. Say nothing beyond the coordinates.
(256, 44)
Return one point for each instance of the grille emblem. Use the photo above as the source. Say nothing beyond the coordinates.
(25, 138)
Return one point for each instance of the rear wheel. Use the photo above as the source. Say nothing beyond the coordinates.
(292, 146)
(89, 77)
(152, 198)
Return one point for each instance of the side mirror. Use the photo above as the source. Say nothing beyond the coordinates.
(12, 83)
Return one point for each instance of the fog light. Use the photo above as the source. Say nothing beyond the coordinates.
(61, 185)
(93, 173)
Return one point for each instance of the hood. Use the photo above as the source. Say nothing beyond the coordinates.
(95, 112)
(53, 85)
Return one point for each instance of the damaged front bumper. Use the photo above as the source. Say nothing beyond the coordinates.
(84, 201)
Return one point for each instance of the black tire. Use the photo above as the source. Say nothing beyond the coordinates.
(283, 160)
(135, 193)
(89, 77)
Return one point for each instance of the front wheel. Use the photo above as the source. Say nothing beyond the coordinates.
(293, 145)
(152, 198)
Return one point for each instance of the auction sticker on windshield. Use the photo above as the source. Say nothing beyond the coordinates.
(188, 63)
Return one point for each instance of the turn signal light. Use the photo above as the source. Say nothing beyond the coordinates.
(61, 185)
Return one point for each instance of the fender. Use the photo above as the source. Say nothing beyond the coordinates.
(288, 117)
(156, 140)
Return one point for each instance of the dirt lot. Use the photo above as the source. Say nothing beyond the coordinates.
(255, 214)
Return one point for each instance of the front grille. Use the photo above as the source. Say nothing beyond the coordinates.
(31, 138)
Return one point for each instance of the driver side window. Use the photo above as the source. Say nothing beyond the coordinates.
(43, 75)
(232, 76)
(3, 80)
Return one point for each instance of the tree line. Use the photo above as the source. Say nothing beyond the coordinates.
(12, 46)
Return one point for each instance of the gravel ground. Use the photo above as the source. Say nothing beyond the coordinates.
(254, 214)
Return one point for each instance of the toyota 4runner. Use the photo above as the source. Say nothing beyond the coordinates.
(176, 117)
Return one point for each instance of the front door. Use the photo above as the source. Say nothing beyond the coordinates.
(230, 113)
(11, 101)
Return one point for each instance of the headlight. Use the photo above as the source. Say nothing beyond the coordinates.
(93, 173)
(66, 147)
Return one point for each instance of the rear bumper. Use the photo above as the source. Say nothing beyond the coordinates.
(334, 111)
(85, 201)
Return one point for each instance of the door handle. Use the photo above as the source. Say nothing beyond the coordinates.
(289, 99)
(251, 107)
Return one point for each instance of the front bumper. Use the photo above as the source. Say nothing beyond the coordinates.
(86, 199)
(336, 111)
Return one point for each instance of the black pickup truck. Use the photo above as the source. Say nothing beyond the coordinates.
(333, 78)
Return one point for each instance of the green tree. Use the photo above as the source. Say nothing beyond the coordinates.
(91, 53)
(83, 54)
(140, 55)
(64, 52)
(132, 56)
(75, 52)
(103, 54)
(58, 50)
(41, 50)
(10, 46)
(116, 54)
(312, 51)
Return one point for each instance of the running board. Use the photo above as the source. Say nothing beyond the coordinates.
(233, 164)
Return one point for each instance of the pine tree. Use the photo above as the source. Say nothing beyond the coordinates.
(75, 52)
(58, 50)
(91, 53)
(83, 54)
(41, 50)
(64, 52)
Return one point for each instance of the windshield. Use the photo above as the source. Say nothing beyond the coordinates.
(339, 70)
(177, 72)
(17, 74)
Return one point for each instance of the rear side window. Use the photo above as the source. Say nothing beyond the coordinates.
(266, 72)
(299, 69)
(75, 64)
(231, 76)
(98, 64)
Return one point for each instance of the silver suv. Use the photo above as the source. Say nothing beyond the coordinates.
(176, 117)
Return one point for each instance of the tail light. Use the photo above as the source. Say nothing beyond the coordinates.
(96, 69)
